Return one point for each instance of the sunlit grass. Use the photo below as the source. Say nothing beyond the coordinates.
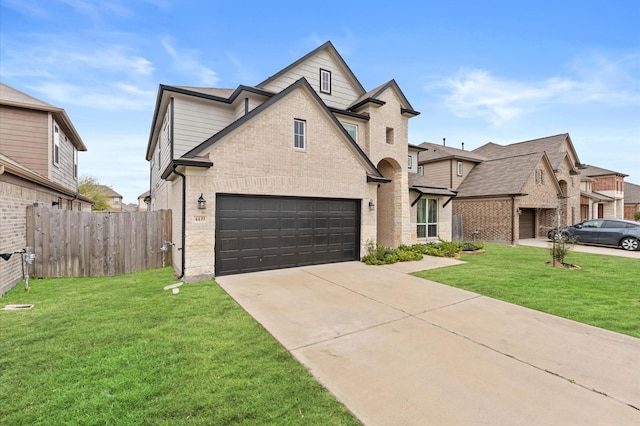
(120, 350)
(605, 292)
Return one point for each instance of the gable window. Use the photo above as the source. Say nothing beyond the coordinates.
(427, 218)
(299, 134)
(540, 177)
(56, 145)
(352, 129)
(390, 135)
(459, 168)
(325, 81)
(410, 164)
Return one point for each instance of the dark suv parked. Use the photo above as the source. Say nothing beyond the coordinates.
(604, 232)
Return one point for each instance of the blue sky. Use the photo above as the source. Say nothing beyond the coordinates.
(478, 71)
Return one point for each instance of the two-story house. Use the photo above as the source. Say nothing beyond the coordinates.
(38, 166)
(602, 193)
(113, 198)
(509, 192)
(303, 168)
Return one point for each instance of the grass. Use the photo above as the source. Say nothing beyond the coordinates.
(605, 292)
(120, 350)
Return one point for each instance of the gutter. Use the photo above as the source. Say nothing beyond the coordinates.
(513, 220)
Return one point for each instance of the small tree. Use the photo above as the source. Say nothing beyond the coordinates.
(560, 247)
(636, 216)
(89, 187)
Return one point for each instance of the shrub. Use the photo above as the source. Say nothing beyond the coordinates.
(636, 216)
(561, 247)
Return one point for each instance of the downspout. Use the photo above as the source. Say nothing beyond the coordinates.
(513, 220)
(184, 218)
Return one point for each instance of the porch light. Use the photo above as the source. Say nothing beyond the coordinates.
(372, 205)
(202, 203)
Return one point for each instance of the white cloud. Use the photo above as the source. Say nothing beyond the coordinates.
(593, 80)
(112, 96)
(186, 61)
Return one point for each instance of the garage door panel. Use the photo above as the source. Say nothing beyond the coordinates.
(262, 232)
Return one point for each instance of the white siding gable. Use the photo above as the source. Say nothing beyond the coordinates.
(196, 120)
(343, 93)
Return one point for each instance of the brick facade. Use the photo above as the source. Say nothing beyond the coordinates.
(487, 220)
(15, 195)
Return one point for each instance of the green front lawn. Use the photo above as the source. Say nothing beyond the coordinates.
(120, 350)
(605, 292)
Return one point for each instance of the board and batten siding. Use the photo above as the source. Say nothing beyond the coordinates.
(62, 173)
(342, 94)
(24, 136)
(195, 121)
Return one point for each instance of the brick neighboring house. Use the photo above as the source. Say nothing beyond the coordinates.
(114, 200)
(306, 167)
(509, 192)
(38, 166)
(602, 193)
(631, 200)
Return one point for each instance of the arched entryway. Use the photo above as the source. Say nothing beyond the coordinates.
(389, 208)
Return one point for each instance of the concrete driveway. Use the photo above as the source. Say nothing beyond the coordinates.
(400, 350)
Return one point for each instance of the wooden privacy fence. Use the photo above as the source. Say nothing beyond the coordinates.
(92, 244)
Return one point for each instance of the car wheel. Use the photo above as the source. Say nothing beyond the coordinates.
(629, 243)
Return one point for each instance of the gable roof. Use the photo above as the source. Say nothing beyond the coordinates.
(15, 98)
(502, 176)
(434, 152)
(592, 171)
(299, 84)
(631, 193)
(327, 46)
(373, 96)
(552, 145)
(107, 191)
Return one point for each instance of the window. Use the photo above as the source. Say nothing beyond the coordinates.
(352, 129)
(540, 178)
(410, 162)
(325, 81)
(298, 134)
(116, 201)
(427, 218)
(390, 135)
(459, 168)
(421, 170)
(56, 145)
(75, 164)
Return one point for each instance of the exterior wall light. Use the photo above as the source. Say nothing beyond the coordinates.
(202, 203)
(372, 205)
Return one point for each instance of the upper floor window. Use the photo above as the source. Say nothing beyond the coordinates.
(116, 200)
(410, 163)
(352, 129)
(420, 170)
(459, 168)
(56, 145)
(325, 81)
(299, 134)
(75, 164)
(540, 178)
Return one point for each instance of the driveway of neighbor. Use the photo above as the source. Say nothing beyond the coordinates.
(583, 248)
(400, 350)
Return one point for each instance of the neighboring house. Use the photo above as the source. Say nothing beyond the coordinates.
(509, 192)
(306, 167)
(602, 193)
(114, 200)
(631, 200)
(143, 200)
(38, 166)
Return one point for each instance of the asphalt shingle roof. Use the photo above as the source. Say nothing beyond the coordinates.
(435, 152)
(598, 171)
(631, 193)
(502, 176)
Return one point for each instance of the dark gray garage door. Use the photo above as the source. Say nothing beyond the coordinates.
(255, 233)
(527, 223)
